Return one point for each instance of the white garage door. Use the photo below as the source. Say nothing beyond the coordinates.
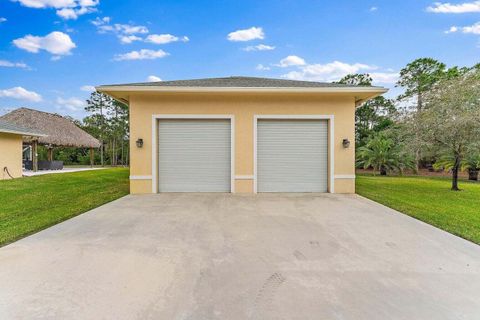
(194, 155)
(292, 156)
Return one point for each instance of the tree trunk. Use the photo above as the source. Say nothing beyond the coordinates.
(35, 156)
(50, 154)
(101, 153)
(418, 155)
(419, 102)
(473, 174)
(383, 171)
(418, 158)
(455, 170)
(92, 157)
(114, 158)
(122, 154)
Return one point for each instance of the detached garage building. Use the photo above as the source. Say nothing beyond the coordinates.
(242, 134)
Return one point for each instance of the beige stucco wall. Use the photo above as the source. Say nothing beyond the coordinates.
(243, 106)
(10, 155)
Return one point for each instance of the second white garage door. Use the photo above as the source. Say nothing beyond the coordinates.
(292, 155)
(194, 155)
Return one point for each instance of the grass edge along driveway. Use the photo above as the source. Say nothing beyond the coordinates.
(430, 200)
(28, 205)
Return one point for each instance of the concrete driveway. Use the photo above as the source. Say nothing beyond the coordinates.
(217, 256)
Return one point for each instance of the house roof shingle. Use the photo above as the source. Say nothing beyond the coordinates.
(237, 82)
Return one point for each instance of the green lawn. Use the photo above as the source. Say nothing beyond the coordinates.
(430, 200)
(28, 205)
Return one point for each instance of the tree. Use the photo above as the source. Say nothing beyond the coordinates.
(471, 163)
(372, 116)
(357, 79)
(118, 118)
(383, 154)
(98, 104)
(418, 77)
(450, 122)
(109, 123)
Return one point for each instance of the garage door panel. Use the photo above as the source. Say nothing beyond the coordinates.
(194, 155)
(292, 155)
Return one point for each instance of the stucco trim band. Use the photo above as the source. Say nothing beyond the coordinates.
(245, 177)
(140, 177)
(345, 176)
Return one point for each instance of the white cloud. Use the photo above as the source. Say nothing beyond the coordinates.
(473, 29)
(129, 39)
(72, 13)
(72, 104)
(40, 4)
(153, 79)
(21, 94)
(260, 47)
(446, 7)
(246, 34)
(165, 38)
(291, 61)
(126, 33)
(373, 9)
(119, 29)
(332, 71)
(88, 3)
(67, 13)
(452, 29)
(261, 67)
(2, 19)
(101, 21)
(87, 88)
(66, 9)
(144, 54)
(57, 43)
(9, 64)
(130, 29)
(385, 77)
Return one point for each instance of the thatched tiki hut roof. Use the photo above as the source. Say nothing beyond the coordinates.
(59, 130)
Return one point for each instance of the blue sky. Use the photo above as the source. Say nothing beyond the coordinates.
(53, 51)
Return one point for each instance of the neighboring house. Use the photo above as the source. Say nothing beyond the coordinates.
(11, 139)
(242, 134)
(59, 132)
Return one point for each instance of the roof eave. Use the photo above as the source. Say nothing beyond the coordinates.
(361, 94)
(360, 100)
(23, 133)
(379, 90)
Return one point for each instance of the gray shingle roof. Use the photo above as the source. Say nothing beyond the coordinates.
(8, 127)
(238, 82)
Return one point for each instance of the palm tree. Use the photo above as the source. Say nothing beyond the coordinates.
(383, 154)
(471, 163)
